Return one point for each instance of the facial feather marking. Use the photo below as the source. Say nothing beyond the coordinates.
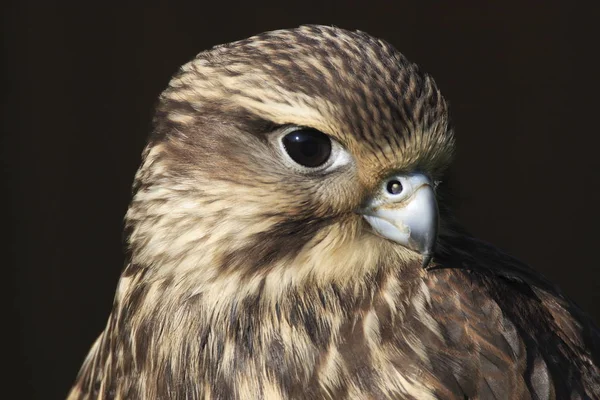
(411, 387)
(332, 372)
(420, 301)
(185, 238)
(372, 329)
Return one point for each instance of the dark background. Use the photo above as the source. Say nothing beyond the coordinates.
(79, 88)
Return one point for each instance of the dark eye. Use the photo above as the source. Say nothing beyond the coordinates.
(308, 147)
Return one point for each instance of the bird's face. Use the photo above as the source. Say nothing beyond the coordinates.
(297, 154)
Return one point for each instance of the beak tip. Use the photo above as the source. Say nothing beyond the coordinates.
(427, 257)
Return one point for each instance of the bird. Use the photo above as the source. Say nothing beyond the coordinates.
(290, 237)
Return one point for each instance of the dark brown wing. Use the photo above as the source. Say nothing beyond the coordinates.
(87, 383)
(509, 334)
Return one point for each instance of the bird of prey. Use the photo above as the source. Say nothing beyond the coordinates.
(288, 239)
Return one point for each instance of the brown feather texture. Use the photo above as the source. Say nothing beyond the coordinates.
(250, 279)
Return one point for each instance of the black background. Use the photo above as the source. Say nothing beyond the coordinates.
(79, 88)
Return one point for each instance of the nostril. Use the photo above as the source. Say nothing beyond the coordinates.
(394, 187)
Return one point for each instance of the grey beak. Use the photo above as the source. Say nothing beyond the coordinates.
(405, 211)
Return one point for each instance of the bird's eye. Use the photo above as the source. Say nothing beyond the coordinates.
(308, 147)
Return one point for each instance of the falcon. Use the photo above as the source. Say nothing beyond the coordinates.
(288, 239)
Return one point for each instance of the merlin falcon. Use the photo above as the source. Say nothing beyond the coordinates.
(289, 238)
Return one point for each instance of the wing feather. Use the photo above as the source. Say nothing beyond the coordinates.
(516, 334)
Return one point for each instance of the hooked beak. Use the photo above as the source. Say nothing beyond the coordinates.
(405, 211)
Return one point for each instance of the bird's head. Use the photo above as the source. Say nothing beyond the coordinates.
(294, 155)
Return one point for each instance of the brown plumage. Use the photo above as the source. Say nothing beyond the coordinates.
(251, 277)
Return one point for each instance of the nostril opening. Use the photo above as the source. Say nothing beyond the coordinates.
(394, 187)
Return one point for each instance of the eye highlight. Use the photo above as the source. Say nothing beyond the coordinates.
(308, 147)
